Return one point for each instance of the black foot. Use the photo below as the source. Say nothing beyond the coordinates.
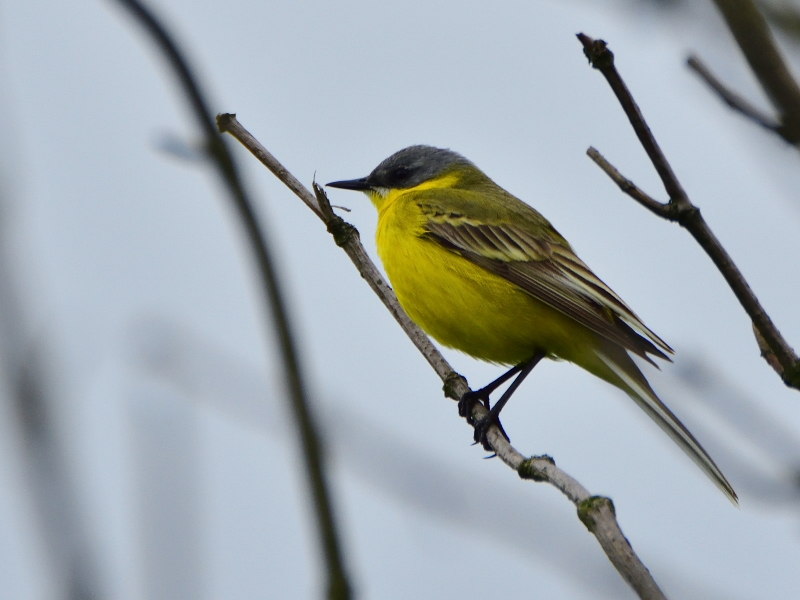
(468, 400)
(482, 428)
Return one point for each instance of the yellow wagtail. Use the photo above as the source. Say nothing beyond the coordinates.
(482, 272)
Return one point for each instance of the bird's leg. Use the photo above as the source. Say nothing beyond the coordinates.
(482, 395)
(482, 426)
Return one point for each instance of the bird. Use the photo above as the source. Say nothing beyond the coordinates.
(481, 271)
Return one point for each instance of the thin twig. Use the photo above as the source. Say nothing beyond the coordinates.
(752, 34)
(602, 59)
(731, 98)
(681, 210)
(630, 188)
(784, 16)
(595, 512)
(338, 587)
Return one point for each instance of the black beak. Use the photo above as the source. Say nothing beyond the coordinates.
(360, 185)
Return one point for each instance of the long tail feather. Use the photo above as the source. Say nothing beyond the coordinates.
(635, 384)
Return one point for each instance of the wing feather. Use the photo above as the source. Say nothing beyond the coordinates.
(550, 272)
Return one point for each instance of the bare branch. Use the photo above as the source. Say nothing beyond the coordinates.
(782, 15)
(595, 512)
(681, 210)
(752, 34)
(269, 161)
(627, 186)
(338, 587)
(731, 98)
(602, 59)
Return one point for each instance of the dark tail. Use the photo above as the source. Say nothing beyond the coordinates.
(628, 377)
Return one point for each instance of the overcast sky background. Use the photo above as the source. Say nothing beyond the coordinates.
(139, 291)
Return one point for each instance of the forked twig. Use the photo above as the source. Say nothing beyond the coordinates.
(752, 34)
(680, 209)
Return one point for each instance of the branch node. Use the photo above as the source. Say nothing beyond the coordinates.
(789, 375)
(767, 354)
(600, 57)
(224, 121)
(683, 212)
(343, 232)
(452, 384)
(528, 469)
(792, 376)
(589, 509)
(789, 131)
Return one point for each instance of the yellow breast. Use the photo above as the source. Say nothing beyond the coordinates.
(459, 304)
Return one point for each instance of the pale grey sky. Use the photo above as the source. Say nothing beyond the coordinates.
(113, 239)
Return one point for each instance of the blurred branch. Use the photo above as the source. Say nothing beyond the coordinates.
(595, 512)
(338, 586)
(69, 543)
(752, 34)
(38, 438)
(782, 15)
(681, 210)
(731, 98)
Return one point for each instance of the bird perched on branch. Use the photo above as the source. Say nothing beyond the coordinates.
(482, 272)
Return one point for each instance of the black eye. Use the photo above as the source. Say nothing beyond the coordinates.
(400, 175)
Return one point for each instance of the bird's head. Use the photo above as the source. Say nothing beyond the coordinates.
(413, 168)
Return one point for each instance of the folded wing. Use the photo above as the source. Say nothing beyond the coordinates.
(550, 272)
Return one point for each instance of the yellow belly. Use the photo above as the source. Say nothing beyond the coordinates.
(464, 306)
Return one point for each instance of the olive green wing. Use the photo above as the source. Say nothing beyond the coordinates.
(533, 256)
